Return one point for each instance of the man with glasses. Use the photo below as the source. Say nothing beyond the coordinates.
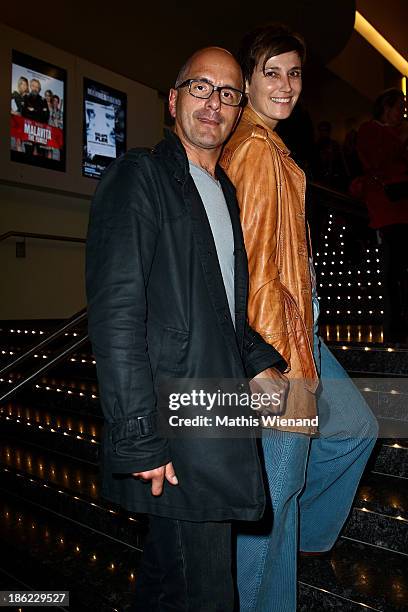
(167, 285)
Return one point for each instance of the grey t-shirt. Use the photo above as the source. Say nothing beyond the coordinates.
(219, 219)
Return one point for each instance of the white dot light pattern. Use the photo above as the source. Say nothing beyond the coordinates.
(356, 301)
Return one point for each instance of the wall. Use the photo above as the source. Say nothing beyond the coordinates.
(49, 281)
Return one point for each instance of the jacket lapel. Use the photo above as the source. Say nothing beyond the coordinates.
(207, 253)
(204, 241)
(241, 262)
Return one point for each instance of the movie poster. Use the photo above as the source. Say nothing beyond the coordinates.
(104, 134)
(38, 92)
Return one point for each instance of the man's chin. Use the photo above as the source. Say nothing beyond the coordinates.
(209, 141)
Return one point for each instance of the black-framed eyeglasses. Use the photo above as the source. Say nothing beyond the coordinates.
(199, 88)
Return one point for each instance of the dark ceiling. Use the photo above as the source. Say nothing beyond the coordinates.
(390, 18)
(149, 41)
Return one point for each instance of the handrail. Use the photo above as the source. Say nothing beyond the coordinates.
(77, 318)
(329, 197)
(341, 195)
(41, 237)
(62, 355)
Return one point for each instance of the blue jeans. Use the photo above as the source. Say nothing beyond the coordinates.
(312, 484)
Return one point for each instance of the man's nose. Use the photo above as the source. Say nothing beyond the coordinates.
(214, 101)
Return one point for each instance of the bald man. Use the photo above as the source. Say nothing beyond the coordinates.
(167, 284)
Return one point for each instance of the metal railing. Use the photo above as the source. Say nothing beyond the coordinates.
(79, 317)
(14, 234)
(60, 355)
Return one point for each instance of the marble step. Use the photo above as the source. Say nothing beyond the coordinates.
(62, 470)
(45, 551)
(42, 552)
(380, 512)
(91, 512)
(66, 485)
(371, 359)
(69, 434)
(73, 425)
(354, 577)
(391, 457)
(51, 389)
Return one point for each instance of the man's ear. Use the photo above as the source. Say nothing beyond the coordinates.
(173, 93)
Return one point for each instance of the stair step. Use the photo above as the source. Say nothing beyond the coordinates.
(77, 425)
(81, 478)
(355, 576)
(71, 435)
(95, 514)
(384, 494)
(380, 512)
(392, 458)
(46, 551)
(375, 360)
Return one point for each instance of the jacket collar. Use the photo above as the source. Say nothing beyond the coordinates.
(173, 152)
(251, 117)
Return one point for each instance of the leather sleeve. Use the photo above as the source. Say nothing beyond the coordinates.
(121, 243)
(252, 170)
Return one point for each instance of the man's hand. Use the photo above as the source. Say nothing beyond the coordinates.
(273, 383)
(157, 477)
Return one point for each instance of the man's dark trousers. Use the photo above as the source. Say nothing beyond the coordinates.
(169, 578)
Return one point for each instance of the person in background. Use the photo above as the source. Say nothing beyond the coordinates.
(384, 189)
(55, 113)
(350, 155)
(167, 296)
(34, 106)
(328, 168)
(17, 96)
(312, 480)
(48, 97)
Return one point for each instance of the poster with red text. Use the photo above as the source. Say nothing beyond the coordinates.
(37, 112)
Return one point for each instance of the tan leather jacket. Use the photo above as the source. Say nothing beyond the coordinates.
(271, 195)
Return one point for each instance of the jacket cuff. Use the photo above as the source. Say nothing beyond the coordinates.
(151, 462)
(135, 445)
(272, 360)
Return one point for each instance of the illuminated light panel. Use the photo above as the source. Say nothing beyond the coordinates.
(372, 36)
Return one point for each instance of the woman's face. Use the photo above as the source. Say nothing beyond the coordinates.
(274, 90)
(22, 87)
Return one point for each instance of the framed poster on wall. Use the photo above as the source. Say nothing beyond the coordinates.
(37, 130)
(104, 127)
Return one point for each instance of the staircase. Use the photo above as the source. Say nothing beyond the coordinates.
(56, 534)
(368, 567)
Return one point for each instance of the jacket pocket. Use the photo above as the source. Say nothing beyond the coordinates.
(173, 351)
